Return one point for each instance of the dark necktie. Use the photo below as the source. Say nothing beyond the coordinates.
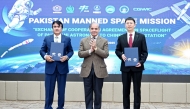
(130, 40)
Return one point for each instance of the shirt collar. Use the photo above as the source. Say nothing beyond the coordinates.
(95, 37)
(133, 33)
(57, 36)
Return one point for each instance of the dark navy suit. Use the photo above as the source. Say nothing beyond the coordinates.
(56, 71)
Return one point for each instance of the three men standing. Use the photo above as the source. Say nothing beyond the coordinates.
(94, 49)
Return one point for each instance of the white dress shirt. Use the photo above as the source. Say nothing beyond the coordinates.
(133, 35)
(57, 39)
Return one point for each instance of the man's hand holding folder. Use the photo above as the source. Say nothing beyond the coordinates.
(56, 52)
(48, 58)
(64, 58)
(125, 58)
(130, 57)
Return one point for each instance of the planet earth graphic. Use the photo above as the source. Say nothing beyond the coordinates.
(155, 64)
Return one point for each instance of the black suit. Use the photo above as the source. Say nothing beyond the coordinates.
(134, 72)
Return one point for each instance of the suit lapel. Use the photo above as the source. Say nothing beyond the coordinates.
(62, 39)
(98, 40)
(52, 38)
(125, 39)
(88, 40)
(135, 38)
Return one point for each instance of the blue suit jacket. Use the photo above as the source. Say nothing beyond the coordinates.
(62, 67)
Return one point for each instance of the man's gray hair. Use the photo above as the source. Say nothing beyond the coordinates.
(94, 23)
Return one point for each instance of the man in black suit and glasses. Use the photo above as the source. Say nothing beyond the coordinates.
(131, 39)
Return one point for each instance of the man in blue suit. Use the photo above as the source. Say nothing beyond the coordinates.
(56, 70)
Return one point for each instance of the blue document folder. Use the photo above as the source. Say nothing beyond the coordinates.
(132, 56)
(56, 50)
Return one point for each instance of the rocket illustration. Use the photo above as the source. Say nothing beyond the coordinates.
(25, 42)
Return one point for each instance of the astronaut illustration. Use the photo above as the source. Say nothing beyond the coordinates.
(19, 13)
(184, 10)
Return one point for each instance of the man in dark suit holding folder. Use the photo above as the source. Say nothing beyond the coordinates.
(131, 39)
(56, 70)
